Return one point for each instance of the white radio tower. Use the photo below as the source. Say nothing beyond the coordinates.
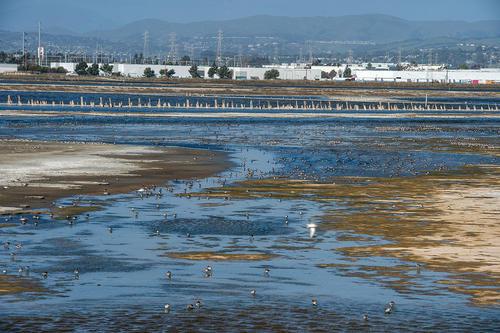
(218, 59)
(40, 50)
(172, 54)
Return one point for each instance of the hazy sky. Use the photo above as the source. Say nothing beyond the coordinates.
(88, 15)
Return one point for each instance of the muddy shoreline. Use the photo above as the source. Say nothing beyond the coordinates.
(36, 173)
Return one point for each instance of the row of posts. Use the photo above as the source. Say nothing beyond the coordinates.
(262, 105)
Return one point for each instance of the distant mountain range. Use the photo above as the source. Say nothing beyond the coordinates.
(375, 28)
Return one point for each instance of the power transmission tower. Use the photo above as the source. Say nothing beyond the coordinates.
(276, 53)
(309, 46)
(24, 49)
(218, 58)
(145, 51)
(399, 57)
(430, 57)
(172, 54)
(350, 58)
(191, 54)
(240, 56)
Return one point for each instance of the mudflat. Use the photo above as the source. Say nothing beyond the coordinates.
(35, 173)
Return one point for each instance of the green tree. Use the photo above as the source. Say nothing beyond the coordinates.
(81, 68)
(271, 74)
(225, 73)
(463, 66)
(107, 69)
(93, 70)
(328, 75)
(167, 73)
(213, 70)
(185, 60)
(148, 72)
(347, 72)
(194, 72)
(369, 66)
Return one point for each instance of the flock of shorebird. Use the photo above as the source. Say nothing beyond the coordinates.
(154, 191)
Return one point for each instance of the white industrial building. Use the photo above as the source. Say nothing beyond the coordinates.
(306, 72)
(8, 68)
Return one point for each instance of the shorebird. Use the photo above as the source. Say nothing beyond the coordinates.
(312, 229)
(76, 272)
(253, 292)
(267, 271)
(365, 317)
(198, 303)
(389, 308)
(168, 275)
(314, 302)
(190, 307)
(110, 229)
(167, 308)
(208, 271)
(45, 275)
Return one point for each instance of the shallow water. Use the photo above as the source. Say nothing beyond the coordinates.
(122, 284)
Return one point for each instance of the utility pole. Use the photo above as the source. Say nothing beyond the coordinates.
(218, 59)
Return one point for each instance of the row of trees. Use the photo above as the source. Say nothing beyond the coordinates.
(41, 69)
(332, 74)
(222, 72)
(168, 73)
(82, 68)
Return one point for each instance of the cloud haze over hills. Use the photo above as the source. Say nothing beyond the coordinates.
(91, 15)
